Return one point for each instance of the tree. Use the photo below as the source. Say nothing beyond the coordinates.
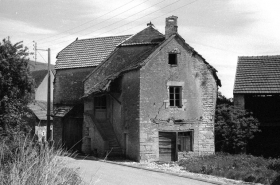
(16, 87)
(233, 127)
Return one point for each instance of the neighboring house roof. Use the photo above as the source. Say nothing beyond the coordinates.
(39, 108)
(39, 76)
(87, 52)
(257, 74)
(129, 55)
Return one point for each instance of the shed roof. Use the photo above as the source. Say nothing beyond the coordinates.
(87, 52)
(257, 75)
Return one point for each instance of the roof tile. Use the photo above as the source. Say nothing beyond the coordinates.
(257, 74)
(87, 52)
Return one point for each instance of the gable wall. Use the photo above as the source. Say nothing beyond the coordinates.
(68, 85)
(41, 92)
(198, 95)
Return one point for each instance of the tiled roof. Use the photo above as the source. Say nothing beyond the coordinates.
(87, 52)
(39, 76)
(39, 108)
(257, 74)
(129, 55)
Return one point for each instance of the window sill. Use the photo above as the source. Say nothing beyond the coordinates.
(173, 65)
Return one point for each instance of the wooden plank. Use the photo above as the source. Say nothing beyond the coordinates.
(167, 146)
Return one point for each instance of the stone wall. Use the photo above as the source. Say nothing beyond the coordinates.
(68, 85)
(199, 92)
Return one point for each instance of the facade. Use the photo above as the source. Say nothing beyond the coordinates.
(257, 88)
(153, 98)
(73, 64)
(38, 106)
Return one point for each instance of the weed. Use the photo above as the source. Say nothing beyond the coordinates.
(27, 163)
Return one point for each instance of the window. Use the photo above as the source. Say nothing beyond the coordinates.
(175, 96)
(172, 59)
(184, 142)
(100, 102)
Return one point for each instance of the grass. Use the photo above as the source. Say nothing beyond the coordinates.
(239, 167)
(27, 163)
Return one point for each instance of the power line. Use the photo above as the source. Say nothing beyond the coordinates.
(42, 57)
(157, 16)
(130, 21)
(101, 22)
(87, 21)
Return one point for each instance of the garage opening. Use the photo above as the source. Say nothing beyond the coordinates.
(170, 143)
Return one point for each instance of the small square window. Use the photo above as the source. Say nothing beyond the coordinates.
(175, 96)
(100, 102)
(172, 59)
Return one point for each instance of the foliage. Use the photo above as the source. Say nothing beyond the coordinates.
(16, 86)
(26, 163)
(233, 127)
(239, 167)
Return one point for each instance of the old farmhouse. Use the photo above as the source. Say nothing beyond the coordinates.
(153, 98)
(257, 88)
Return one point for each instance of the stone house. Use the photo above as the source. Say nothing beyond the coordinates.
(153, 98)
(257, 88)
(73, 64)
(38, 105)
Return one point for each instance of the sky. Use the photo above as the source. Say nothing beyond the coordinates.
(219, 30)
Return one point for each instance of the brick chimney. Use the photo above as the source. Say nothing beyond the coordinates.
(170, 26)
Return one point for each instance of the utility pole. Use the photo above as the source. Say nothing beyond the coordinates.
(48, 89)
(49, 97)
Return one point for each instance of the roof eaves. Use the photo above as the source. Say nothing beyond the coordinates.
(210, 67)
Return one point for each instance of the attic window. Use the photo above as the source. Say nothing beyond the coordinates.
(172, 59)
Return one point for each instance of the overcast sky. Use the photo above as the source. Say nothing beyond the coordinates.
(220, 30)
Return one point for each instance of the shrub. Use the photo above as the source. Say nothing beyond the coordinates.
(239, 167)
(27, 163)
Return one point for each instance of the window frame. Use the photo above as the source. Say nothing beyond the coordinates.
(175, 97)
(182, 141)
(100, 102)
(174, 60)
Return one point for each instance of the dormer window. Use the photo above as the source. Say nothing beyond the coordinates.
(172, 59)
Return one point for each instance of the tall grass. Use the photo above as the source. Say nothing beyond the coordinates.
(240, 167)
(23, 162)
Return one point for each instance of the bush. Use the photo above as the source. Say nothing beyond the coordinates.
(233, 127)
(239, 167)
(23, 162)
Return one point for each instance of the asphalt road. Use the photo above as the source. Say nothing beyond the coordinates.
(101, 173)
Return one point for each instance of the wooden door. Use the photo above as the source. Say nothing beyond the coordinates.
(167, 146)
(72, 133)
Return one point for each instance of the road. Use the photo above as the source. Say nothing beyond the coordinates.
(101, 173)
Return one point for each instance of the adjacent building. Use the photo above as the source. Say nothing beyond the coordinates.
(257, 89)
(38, 105)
